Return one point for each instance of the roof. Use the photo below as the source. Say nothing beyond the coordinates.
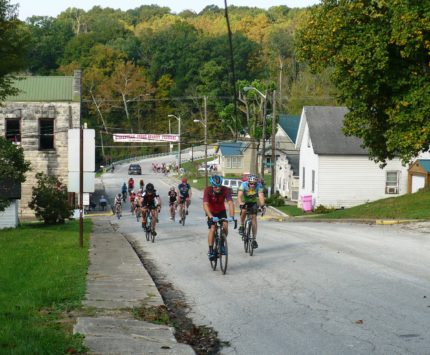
(231, 148)
(294, 161)
(290, 125)
(325, 128)
(425, 163)
(43, 88)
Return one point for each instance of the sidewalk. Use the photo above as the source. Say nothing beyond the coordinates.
(116, 283)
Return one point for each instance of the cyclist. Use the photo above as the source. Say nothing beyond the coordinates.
(151, 201)
(132, 201)
(214, 198)
(249, 192)
(184, 196)
(124, 191)
(118, 203)
(141, 184)
(172, 201)
(130, 185)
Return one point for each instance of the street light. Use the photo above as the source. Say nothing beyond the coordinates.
(248, 88)
(205, 125)
(179, 143)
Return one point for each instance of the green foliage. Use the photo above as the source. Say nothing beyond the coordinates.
(321, 209)
(380, 54)
(43, 277)
(275, 200)
(49, 200)
(13, 46)
(13, 166)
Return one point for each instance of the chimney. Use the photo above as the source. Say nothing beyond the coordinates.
(77, 85)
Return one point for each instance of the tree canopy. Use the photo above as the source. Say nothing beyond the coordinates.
(379, 52)
(13, 46)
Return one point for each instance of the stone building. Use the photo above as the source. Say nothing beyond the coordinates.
(38, 119)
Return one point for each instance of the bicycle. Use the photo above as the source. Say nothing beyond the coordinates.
(248, 234)
(148, 231)
(220, 247)
(118, 210)
(182, 212)
(172, 211)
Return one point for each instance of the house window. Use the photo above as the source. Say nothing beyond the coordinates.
(46, 134)
(303, 178)
(392, 179)
(13, 130)
(313, 180)
(236, 162)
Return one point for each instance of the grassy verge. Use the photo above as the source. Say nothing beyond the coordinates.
(43, 273)
(410, 206)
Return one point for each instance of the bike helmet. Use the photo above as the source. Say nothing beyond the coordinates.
(172, 188)
(119, 195)
(252, 178)
(150, 188)
(184, 180)
(215, 180)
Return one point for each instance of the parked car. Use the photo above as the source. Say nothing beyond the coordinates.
(233, 184)
(134, 169)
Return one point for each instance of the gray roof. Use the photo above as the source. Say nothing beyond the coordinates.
(325, 128)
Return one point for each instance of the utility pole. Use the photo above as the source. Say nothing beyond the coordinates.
(263, 152)
(81, 187)
(272, 185)
(206, 140)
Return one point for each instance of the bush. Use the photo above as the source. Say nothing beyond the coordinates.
(321, 209)
(49, 200)
(275, 200)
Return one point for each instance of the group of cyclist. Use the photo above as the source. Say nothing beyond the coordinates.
(250, 198)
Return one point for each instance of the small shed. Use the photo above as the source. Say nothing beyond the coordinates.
(418, 175)
(9, 190)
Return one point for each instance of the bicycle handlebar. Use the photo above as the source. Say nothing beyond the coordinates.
(221, 220)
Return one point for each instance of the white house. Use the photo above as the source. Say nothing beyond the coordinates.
(335, 169)
(287, 161)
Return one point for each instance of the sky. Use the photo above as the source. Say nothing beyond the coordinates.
(28, 8)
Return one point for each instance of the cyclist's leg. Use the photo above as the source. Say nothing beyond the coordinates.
(211, 236)
(242, 220)
(144, 210)
(154, 217)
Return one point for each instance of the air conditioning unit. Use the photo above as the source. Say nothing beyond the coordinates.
(392, 190)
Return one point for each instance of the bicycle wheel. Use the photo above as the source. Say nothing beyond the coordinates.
(251, 239)
(152, 237)
(223, 257)
(148, 228)
(246, 236)
(183, 216)
(216, 248)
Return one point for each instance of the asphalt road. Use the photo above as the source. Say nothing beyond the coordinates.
(311, 288)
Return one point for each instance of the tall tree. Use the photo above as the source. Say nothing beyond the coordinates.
(13, 44)
(13, 166)
(380, 52)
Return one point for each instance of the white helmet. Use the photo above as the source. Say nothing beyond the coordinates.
(252, 178)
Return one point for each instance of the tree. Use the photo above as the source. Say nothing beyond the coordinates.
(380, 55)
(13, 44)
(49, 200)
(13, 166)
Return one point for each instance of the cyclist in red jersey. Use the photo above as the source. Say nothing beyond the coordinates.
(214, 198)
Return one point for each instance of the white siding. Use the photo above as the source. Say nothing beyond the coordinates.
(9, 217)
(346, 181)
(308, 161)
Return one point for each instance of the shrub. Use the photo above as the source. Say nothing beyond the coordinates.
(321, 209)
(275, 200)
(49, 200)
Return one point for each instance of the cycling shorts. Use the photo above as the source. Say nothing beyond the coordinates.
(222, 214)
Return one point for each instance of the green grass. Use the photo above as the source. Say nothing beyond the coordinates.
(43, 272)
(409, 206)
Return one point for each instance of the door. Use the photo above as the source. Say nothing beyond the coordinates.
(418, 182)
